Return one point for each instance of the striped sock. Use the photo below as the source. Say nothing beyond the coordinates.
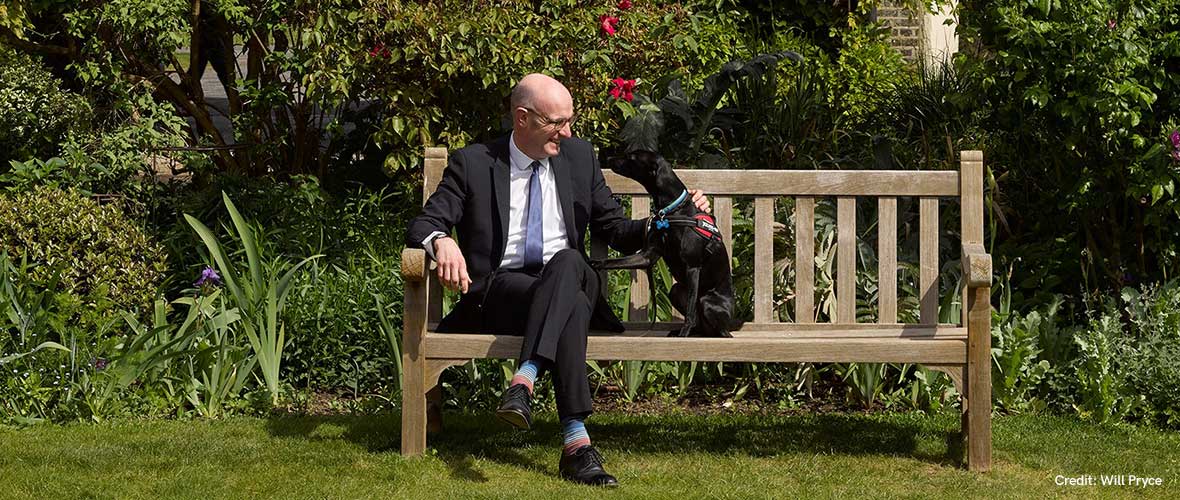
(575, 435)
(526, 374)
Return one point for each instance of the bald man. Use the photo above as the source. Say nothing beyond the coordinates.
(520, 206)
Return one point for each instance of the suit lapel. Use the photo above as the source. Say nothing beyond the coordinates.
(501, 171)
(565, 194)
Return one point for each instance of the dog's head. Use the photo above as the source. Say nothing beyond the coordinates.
(642, 166)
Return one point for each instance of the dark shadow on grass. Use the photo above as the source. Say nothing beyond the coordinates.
(467, 437)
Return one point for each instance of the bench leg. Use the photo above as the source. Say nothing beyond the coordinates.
(414, 369)
(978, 416)
(434, 402)
(414, 408)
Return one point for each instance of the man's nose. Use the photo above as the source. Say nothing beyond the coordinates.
(566, 131)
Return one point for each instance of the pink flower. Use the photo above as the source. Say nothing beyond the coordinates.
(622, 89)
(625, 4)
(1111, 24)
(1176, 154)
(609, 24)
(377, 49)
(1175, 139)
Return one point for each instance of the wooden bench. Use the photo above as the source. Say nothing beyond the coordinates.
(960, 350)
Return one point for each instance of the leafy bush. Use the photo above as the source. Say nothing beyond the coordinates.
(1016, 368)
(36, 113)
(347, 317)
(1081, 100)
(101, 257)
(1103, 393)
(449, 68)
(1151, 358)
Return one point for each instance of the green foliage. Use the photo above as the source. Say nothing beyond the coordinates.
(450, 67)
(348, 318)
(1016, 367)
(103, 259)
(36, 113)
(866, 68)
(1082, 97)
(678, 125)
(258, 289)
(1150, 360)
(1103, 394)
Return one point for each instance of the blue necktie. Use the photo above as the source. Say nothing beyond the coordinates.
(534, 240)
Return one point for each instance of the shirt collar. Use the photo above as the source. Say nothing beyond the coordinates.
(519, 159)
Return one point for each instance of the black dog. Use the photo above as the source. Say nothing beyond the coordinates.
(690, 244)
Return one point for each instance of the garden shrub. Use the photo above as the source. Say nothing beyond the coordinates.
(1103, 394)
(36, 113)
(444, 70)
(1082, 100)
(104, 259)
(1150, 360)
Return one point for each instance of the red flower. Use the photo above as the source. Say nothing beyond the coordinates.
(625, 4)
(377, 49)
(622, 89)
(609, 24)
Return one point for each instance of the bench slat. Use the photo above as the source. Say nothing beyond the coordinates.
(764, 260)
(723, 211)
(887, 260)
(789, 350)
(928, 288)
(804, 259)
(807, 182)
(846, 260)
(818, 330)
(640, 291)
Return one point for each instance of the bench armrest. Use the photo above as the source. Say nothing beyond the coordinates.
(415, 265)
(977, 265)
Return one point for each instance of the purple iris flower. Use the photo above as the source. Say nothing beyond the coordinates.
(209, 276)
(1175, 139)
(100, 364)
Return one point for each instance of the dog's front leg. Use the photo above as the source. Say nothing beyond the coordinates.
(693, 281)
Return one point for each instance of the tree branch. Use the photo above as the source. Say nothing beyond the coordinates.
(10, 37)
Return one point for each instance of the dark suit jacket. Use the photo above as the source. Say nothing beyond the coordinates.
(473, 197)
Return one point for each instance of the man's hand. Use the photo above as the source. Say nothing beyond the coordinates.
(698, 199)
(452, 268)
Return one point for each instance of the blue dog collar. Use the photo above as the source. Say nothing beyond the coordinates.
(683, 196)
(660, 219)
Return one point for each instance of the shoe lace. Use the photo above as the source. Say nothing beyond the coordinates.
(594, 457)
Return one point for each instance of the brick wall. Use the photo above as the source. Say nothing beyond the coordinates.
(905, 26)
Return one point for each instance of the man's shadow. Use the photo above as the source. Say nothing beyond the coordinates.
(467, 437)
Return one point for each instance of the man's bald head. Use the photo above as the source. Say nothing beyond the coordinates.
(536, 87)
(542, 113)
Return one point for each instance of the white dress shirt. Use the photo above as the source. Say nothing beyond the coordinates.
(552, 218)
(518, 213)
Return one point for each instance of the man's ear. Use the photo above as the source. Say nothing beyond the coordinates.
(519, 115)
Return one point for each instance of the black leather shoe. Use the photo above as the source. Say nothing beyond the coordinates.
(585, 467)
(516, 406)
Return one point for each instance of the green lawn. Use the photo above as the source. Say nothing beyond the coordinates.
(670, 456)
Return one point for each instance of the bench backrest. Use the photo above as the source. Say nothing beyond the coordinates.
(806, 186)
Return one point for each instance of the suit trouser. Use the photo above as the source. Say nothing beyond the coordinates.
(552, 310)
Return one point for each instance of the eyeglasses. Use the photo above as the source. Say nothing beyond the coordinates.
(551, 124)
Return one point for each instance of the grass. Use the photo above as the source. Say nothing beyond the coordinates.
(668, 456)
